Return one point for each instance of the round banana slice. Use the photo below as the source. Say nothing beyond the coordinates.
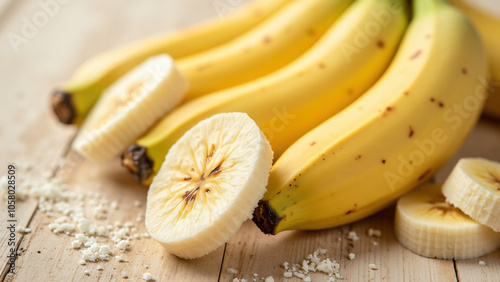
(208, 185)
(427, 225)
(129, 107)
(474, 187)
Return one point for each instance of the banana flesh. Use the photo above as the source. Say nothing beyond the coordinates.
(391, 139)
(290, 102)
(74, 98)
(430, 227)
(208, 185)
(129, 107)
(474, 187)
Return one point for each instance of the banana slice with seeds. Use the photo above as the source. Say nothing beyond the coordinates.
(208, 185)
(430, 227)
(474, 187)
(129, 107)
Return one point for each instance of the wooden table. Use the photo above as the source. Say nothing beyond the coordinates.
(31, 136)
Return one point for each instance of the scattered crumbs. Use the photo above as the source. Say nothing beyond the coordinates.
(352, 256)
(288, 274)
(374, 232)
(372, 266)
(147, 276)
(124, 274)
(82, 262)
(270, 279)
(482, 263)
(100, 267)
(307, 279)
(352, 236)
(119, 258)
(232, 271)
(87, 272)
(312, 263)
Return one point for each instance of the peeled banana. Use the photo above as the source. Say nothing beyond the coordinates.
(474, 187)
(430, 227)
(73, 99)
(487, 21)
(391, 139)
(130, 106)
(209, 184)
(344, 63)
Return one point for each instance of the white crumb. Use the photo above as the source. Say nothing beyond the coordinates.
(352, 256)
(87, 272)
(124, 274)
(374, 232)
(147, 276)
(269, 279)
(372, 266)
(82, 262)
(232, 271)
(352, 236)
(482, 263)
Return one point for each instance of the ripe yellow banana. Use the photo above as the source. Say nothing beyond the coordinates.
(348, 60)
(392, 138)
(487, 22)
(264, 49)
(73, 99)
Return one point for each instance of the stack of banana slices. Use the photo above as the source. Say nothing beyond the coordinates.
(350, 98)
(458, 220)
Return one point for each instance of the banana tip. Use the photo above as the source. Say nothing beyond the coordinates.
(266, 218)
(63, 106)
(135, 159)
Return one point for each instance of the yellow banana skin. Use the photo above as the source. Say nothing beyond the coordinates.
(264, 49)
(74, 99)
(488, 26)
(392, 138)
(292, 101)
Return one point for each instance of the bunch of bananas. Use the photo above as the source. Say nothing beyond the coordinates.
(359, 104)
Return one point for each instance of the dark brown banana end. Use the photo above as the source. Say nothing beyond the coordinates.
(135, 159)
(266, 218)
(63, 107)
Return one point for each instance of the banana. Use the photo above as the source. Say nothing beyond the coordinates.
(486, 18)
(427, 225)
(291, 101)
(262, 50)
(474, 187)
(129, 106)
(73, 99)
(391, 139)
(208, 185)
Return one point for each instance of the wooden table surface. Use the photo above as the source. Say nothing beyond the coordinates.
(30, 136)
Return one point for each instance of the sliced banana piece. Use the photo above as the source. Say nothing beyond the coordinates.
(430, 227)
(208, 185)
(129, 107)
(474, 187)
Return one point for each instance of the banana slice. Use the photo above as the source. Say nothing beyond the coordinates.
(430, 227)
(129, 106)
(208, 185)
(474, 187)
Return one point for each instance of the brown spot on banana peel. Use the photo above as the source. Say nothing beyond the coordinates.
(383, 161)
(416, 55)
(380, 44)
(266, 218)
(313, 143)
(464, 71)
(358, 157)
(266, 39)
(63, 106)
(412, 132)
(137, 162)
(423, 175)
